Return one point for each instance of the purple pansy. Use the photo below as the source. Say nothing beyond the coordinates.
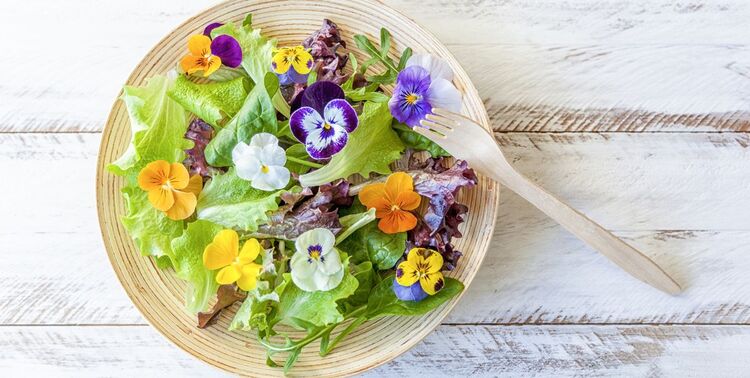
(324, 121)
(426, 82)
(290, 77)
(228, 49)
(413, 293)
(210, 27)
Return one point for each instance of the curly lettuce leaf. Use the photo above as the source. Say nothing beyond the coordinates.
(256, 115)
(253, 313)
(372, 147)
(299, 308)
(158, 126)
(188, 263)
(383, 300)
(211, 102)
(150, 229)
(231, 202)
(257, 50)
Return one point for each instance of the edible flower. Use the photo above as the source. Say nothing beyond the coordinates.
(422, 266)
(292, 64)
(261, 162)
(170, 188)
(316, 264)
(236, 265)
(413, 293)
(323, 127)
(210, 27)
(425, 83)
(208, 55)
(393, 201)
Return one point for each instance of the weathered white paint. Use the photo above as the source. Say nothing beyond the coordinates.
(450, 351)
(540, 66)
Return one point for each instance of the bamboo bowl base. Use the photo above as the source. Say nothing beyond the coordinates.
(159, 295)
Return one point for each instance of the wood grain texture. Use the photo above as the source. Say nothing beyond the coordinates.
(539, 66)
(451, 351)
(654, 190)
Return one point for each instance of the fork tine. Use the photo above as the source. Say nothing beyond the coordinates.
(442, 121)
(436, 127)
(455, 117)
(429, 131)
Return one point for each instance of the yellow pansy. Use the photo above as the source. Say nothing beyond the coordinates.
(170, 188)
(422, 265)
(295, 57)
(200, 57)
(236, 265)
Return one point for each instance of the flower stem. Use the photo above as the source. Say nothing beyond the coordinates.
(304, 162)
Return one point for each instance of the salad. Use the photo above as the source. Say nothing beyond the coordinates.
(264, 174)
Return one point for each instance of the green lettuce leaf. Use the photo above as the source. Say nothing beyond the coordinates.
(188, 263)
(370, 244)
(253, 313)
(301, 309)
(211, 102)
(354, 222)
(383, 300)
(372, 147)
(418, 142)
(150, 229)
(297, 151)
(367, 278)
(256, 115)
(257, 50)
(231, 202)
(158, 126)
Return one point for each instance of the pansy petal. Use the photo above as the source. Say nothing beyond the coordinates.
(434, 261)
(153, 175)
(191, 64)
(323, 143)
(303, 61)
(195, 185)
(248, 277)
(303, 121)
(272, 155)
(339, 112)
(246, 164)
(228, 49)
(406, 274)
(443, 94)
(330, 263)
(432, 283)
(261, 140)
(199, 45)
(222, 250)
(161, 198)
(320, 93)
(210, 27)
(184, 205)
(302, 265)
(279, 63)
(271, 178)
(250, 250)
(409, 293)
(410, 101)
(326, 239)
(372, 195)
(408, 200)
(325, 282)
(291, 77)
(416, 255)
(178, 176)
(228, 275)
(212, 64)
(397, 183)
(437, 67)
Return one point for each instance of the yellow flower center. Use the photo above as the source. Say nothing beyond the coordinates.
(327, 126)
(412, 99)
(395, 208)
(315, 254)
(264, 168)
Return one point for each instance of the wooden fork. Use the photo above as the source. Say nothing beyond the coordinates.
(465, 139)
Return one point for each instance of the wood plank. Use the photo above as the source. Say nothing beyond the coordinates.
(658, 191)
(540, 66)
(455, 351)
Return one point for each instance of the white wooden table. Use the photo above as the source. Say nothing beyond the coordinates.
(636, 112)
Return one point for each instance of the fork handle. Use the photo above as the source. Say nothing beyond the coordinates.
(628, 258)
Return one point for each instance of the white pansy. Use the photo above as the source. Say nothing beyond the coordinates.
(442, 93)
(316, 264)
(261, 162)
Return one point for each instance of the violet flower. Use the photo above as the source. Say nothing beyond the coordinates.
(324, 121)
(425, 83)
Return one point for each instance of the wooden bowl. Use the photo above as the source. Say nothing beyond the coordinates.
(159, 295)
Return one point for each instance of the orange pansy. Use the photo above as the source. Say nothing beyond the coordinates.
(392, 201)
(200, 57)
(170, 188)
